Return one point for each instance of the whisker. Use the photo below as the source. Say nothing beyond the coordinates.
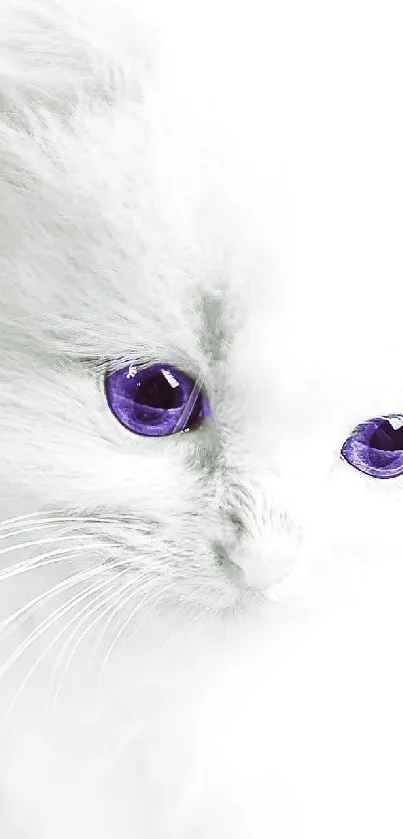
(151, 601)
(114, 612)
(48, 524)
(73, 580)
(18, 617)
(19, 519)
(35, 542)
(46, 624)
(43, 655)
(71, 636)
(105, 599)
(59, 516)
(45, 559)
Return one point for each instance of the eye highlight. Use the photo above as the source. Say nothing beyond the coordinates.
(155, 401)
(376, 447)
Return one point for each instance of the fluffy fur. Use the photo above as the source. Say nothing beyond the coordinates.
(199, 635)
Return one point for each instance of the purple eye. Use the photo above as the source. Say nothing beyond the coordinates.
(155, 401)
(376, 447)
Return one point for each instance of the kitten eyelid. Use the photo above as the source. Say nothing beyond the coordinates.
(115, 363)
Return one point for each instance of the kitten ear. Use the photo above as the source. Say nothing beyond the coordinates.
(55, 55)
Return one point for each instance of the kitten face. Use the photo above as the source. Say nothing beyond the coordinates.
(99, 268)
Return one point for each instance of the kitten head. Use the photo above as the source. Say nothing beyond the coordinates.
(119, 252)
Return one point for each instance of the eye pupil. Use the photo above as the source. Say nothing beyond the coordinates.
(386, 438)
(157, 393)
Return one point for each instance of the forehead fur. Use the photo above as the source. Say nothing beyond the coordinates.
(89, 187)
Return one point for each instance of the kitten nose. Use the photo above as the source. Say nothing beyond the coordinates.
(261, 536)
(267, 558)
(261, 571)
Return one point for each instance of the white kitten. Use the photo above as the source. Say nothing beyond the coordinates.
(199, 632)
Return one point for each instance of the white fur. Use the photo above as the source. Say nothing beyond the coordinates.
(218, 186)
